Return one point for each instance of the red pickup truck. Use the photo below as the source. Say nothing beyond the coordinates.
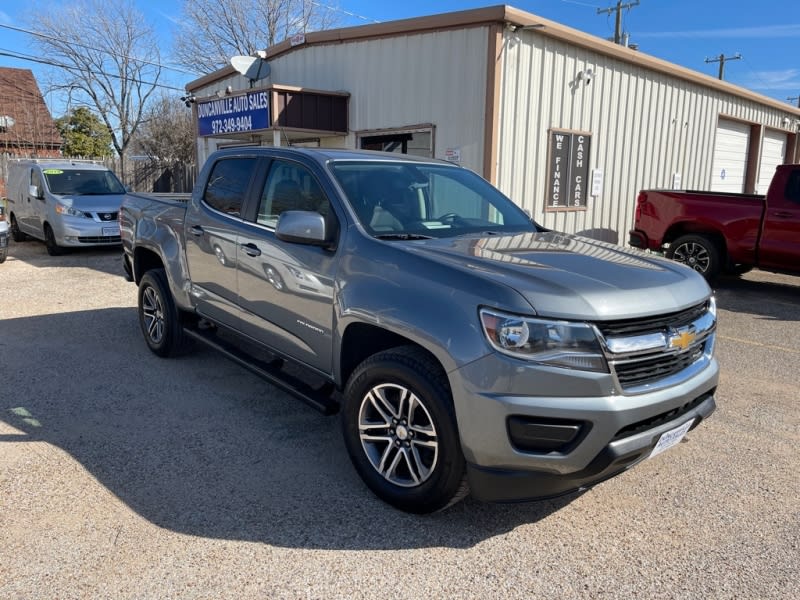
(715, 232)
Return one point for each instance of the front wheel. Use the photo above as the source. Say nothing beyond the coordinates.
(158, 315)
(400, 431)
(698, 252)
(53, 249)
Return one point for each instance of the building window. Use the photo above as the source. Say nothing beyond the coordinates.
(418, 142)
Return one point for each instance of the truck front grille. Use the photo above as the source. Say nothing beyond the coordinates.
(645, 325)
(648, 353)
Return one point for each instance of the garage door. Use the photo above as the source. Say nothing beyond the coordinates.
(730, 157)
(773, 149)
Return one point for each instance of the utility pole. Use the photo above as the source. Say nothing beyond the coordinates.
(618, 8)
(793, 98)
(721, 60)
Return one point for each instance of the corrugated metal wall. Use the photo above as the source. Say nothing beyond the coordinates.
(399, 81)
(645, 127)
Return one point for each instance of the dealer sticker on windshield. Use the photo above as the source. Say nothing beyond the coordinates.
(53, 172)
(670, 438)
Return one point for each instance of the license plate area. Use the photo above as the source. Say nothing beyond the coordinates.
(110, 231)
(671, 438)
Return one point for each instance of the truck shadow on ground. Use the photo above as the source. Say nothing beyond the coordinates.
(767, 296)
(198, 445)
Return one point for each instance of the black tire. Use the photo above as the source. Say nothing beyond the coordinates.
(53, 249)
(405, 402)
(158, 316)
(16, 233)
(698, 252)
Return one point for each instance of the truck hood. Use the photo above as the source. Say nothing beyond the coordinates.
(567, 276)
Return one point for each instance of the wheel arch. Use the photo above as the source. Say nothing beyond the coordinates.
(677, 230)
(362, 340)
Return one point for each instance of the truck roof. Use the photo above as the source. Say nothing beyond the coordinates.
(326, 154)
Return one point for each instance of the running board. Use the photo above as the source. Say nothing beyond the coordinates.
(318, 398)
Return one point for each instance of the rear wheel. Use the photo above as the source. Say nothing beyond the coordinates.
(400, 431)
(698, 252)
(158, 316)
(16, 233)
(53, 249)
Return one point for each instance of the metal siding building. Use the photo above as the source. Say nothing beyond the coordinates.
(497, 89)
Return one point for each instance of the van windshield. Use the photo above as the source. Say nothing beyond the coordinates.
(78, 182)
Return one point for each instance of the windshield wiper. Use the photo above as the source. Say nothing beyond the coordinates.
(403, 236)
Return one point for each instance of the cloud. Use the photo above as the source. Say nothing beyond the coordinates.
(765, 31)
(786, 79)
(4, 18)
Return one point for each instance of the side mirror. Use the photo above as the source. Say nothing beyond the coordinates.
(35, 191)
(302, 227)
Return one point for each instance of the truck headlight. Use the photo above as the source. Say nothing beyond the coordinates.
(549, 342)
(63, 209)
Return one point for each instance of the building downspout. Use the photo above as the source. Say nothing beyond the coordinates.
(491, 125)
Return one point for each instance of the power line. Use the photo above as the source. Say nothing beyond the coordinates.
(721, 60)
(95, 49)
(618, 9)
(346, 12)
(20, 56)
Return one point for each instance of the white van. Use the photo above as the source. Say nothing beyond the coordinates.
(65, 203)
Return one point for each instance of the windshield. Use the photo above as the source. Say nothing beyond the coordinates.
(78, 182)
(405, 200)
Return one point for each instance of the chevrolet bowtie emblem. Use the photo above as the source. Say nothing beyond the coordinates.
(682, 340)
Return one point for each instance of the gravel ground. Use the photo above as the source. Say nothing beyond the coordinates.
(123, 475)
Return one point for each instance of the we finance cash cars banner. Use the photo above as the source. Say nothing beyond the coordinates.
(233, 114)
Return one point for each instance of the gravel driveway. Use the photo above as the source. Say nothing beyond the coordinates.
(123, 475)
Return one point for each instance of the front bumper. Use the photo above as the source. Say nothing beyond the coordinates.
(578, 430)
(507, 485)
(77, 232)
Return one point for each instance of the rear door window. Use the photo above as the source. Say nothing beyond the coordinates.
(228, 183)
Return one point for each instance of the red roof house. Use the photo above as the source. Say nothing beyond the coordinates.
(26, 126)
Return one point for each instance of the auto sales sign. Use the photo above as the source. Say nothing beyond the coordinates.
(233, 114)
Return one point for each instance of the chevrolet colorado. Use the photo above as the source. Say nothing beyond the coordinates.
(467, 349)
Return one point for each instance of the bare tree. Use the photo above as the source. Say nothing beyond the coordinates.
(164, 147)
(167, 135)
(215, 30)
(108, 58)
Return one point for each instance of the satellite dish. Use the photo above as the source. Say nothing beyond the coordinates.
(252, 67)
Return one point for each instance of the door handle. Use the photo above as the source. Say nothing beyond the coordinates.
(196, 230)
(251, 250)
(782, 214)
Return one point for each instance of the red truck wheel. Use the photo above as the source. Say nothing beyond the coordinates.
(698, 252)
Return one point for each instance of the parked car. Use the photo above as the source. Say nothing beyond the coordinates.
(467, 348)
(716, 232)
(65, 203)
(3, 231)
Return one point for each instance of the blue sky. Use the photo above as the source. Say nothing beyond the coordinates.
(685, 32)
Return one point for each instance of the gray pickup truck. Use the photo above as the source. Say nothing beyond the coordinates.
(467, 349)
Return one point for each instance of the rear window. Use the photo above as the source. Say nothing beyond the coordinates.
(79, 182)
(228, 183)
